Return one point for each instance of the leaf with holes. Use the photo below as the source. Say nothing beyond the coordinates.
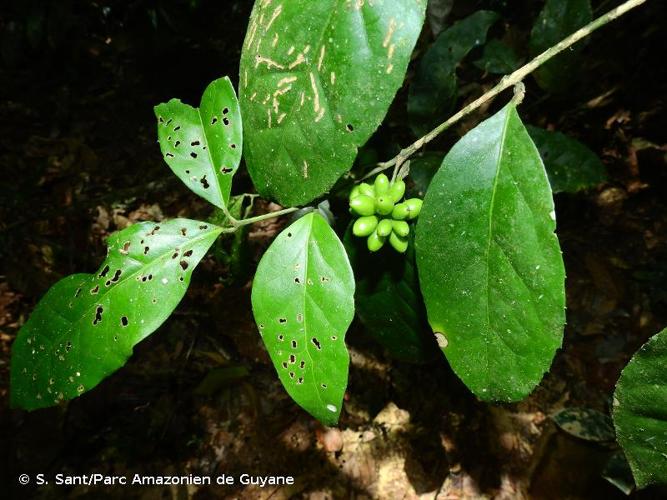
(489, 263)
(388, 301)
(640, 412)
(202, 146)
(316, 80)
(433, 92)
(86, 325)
(303, 302)
(558, 19)
(570, 165)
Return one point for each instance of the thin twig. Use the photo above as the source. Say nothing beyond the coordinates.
(506, 82)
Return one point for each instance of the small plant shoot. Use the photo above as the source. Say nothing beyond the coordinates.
(455, 250)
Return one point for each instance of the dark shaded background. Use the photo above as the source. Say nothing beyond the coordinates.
(79, 159)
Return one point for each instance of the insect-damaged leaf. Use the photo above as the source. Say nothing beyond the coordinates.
(571, 166)
(317, 79)
(86, 325)
(640, 412)
(489, 263)
(202, 146)
(434, 90)
(303, 302)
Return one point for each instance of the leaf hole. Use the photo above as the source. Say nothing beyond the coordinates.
(299, 318)
(104, 272)
(124, 321)
(98, 315)
(184, 231)
(193, 154)
(225, 111)
(294, 344)
(177, 143)
(169, 155)
(299, 381)
(94, 291)
(203, 227)
(214, 120)
(349, 127)
(281, 337)
(204, 182)
(68, 346)
(291, 374)
(334, 338)
(195, 143)
(233, 146)
(297, 281)
(116, 276)
(226, 121)
(126, 248)
(316, 343)
(289, 235)
(292, 359)
(177, 128)
(188, 253)
(169, 121)
(175, 255)
(324, 279)
(282, 321)
(181, 279)
(284, 364)
(324, 386)
(226, 170)
(302, 365)
(146, 249)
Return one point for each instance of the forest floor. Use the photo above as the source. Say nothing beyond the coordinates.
(79, 160)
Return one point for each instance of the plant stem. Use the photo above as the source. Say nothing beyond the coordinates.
(506, 82)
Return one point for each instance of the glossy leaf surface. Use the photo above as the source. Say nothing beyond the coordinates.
(557, 20)
(303, 302)
(317, 79)
(490, 265)
(640, 412)
(433, 92)
(86, 325)
(571, 166)
(202, 146)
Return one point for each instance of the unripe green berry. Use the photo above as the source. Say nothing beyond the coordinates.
(381, 185)
(384, 205)
(384, 228)
(414, 206)
(375, 242)
(355, 192)
(363, 205)
(400, 227)
(400, 212)
(400, 244)
(367, 189)
(397, 190)
(364, 226)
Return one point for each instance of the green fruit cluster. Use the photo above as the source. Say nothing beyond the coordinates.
(381, 216)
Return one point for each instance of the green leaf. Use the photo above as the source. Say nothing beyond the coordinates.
(571, 166)
(389, 302)
(303, 302)
(317, 79)
(557, 20)
(86, 325)
(202, 146)
(433, 92)
(585, 423)
(640, 412)
(489, 263)
(498, 58)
